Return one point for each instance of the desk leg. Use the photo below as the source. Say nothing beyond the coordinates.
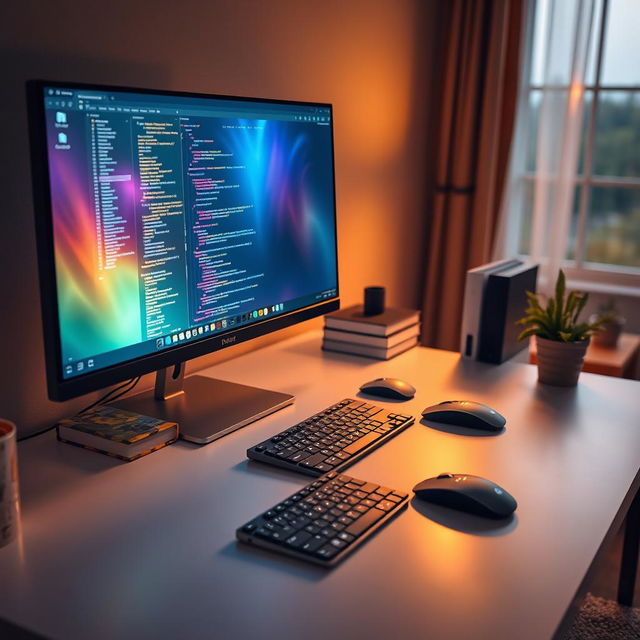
(629, 567)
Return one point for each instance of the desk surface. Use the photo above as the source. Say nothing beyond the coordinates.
(147, 550)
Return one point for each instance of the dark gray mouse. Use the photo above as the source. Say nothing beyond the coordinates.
(389, 388)
(465, 492)
(465, 413)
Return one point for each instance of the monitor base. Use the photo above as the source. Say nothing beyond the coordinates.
(209, 408)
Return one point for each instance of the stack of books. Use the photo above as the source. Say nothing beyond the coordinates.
(382, 336)
(115, 432)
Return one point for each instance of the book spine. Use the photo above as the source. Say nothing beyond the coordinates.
(88, 447)
(382, 342)
(369, 352)
(358, 327)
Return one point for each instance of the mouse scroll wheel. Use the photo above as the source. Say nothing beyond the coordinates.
(445, 475)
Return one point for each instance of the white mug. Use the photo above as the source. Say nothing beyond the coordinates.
(9, 507)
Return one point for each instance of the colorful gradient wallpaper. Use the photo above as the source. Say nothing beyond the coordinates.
(99, 309)
(170, 221)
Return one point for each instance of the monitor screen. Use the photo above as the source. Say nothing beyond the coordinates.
(175, 218)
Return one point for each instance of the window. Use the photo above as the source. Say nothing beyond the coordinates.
(582, 70)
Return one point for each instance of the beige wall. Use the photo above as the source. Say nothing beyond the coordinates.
(371, 58)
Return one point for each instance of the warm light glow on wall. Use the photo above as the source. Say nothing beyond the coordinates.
(373, 120)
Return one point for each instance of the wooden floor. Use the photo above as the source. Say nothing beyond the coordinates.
(605, 582)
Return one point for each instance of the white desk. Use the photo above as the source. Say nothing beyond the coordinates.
(147, 549)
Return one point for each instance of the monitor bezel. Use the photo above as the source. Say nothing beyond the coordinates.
(59, 388)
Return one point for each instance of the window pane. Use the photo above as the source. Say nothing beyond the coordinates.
(560, 52)
(621, 63)
(592, 55)
(533, 118)
(586, 116)
(573, 230)
(539, 53)
(613, 226)
(617, 141)
(526, 201)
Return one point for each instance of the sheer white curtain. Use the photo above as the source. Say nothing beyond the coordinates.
(541, 184)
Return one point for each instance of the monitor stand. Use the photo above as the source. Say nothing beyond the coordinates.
(204, 408)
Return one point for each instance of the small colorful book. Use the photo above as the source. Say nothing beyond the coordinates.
(123, 434)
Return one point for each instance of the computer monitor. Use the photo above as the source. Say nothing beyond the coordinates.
(171, 225)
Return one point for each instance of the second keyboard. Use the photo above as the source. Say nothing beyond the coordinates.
(332, 439)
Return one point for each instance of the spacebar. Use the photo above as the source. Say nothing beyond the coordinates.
(361, 443)
(364, 522)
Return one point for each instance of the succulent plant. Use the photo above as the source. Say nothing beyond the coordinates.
(608, 312)
(558, 320)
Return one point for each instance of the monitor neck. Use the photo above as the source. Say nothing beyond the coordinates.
(170, 382)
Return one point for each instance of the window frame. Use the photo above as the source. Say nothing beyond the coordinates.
(594, 276)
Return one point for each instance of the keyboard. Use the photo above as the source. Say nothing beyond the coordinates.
(326, 520)
(332, 439)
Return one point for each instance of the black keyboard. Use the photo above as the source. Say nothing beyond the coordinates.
(326, 520)
(332, 439)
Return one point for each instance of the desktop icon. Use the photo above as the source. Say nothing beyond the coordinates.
(61, 117)
(200, 330)
(174, 338)
(181, 336)
(90, 363)
(159, 343)
(187, 333)
(80, 366)
(68, 369)
(62, 138)
(218, 325)
(260, 312)
(167, 340)
(224, 324)
(255, 314)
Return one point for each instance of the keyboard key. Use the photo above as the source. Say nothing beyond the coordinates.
(313, 460)
(327, 552)
(299, 456)
(363, 523)
(314, 544)
(298, 539)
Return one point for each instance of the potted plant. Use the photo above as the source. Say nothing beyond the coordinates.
(610, 325)
(561, 339)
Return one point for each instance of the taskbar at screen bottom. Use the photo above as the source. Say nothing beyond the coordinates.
(73, 368)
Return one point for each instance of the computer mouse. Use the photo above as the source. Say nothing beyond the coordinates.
(465, 492)
(389, 388)
(465, 413)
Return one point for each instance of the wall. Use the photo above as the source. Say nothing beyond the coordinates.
(371, 58)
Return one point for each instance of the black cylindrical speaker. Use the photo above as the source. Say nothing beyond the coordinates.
(373, 301)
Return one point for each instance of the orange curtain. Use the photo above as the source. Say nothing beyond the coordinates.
(476, 114)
